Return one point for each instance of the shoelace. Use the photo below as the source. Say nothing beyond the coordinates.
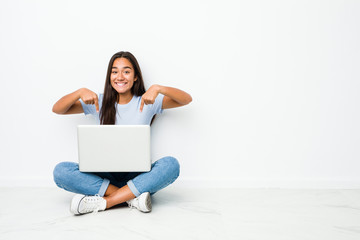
(131, 204)
(92, 203)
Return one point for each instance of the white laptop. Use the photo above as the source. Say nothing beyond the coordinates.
(114, 148)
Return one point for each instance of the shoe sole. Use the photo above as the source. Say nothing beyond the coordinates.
(74, 206)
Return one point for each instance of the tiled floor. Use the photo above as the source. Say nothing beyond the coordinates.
(183, 213)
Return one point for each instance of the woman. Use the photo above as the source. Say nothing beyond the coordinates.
(124, 101)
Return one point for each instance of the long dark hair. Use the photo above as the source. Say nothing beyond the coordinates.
(111, 96)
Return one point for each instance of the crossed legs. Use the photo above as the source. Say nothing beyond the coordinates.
(115, 195)
(163, 172)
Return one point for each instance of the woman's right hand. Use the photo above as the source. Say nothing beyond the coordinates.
(89, 97)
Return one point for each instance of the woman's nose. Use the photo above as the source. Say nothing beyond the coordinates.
(120, 75)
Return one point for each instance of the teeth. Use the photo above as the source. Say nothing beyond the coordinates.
(120, 84)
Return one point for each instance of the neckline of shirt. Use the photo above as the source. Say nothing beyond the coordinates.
(126, 104)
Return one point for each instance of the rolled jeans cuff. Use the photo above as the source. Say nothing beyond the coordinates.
(104, 186)
(133, 188)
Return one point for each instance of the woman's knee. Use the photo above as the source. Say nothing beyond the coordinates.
(171, 165)
(62, 170)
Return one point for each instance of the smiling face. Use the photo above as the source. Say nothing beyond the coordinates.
(122, 76)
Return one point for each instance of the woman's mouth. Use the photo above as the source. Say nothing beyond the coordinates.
(120, 84)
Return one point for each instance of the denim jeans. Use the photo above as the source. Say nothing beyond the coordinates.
(163, 172)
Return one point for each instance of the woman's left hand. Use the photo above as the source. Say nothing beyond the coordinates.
(149, 96)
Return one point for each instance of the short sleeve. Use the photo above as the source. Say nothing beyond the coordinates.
(157, 106)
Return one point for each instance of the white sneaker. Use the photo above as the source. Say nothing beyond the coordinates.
(81, 204)
(142, 202)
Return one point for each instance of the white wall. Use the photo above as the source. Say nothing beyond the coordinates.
(275, 86)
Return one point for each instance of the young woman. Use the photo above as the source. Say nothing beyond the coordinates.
(124, 101)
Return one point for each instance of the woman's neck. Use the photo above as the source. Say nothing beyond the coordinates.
(125, 98)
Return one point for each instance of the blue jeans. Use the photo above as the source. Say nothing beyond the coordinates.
(163, 172)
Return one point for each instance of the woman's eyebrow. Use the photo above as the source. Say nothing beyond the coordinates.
(123, 67)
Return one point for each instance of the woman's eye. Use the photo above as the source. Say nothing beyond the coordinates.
(127, 72)
(114, 72)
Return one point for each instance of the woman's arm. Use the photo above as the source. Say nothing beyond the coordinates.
(173, 97)
(70, 103)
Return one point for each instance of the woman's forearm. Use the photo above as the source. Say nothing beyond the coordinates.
(175, 94)
(64, 103)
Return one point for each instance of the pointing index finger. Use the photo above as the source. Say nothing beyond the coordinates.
(97, 104)
(142, 104)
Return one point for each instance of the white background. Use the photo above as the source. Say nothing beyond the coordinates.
(275, 86)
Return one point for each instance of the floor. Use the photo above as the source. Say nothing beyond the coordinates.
(182, 213)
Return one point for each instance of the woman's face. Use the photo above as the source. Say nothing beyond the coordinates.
(122, 76)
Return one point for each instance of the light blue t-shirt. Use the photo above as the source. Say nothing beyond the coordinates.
(128, 114)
